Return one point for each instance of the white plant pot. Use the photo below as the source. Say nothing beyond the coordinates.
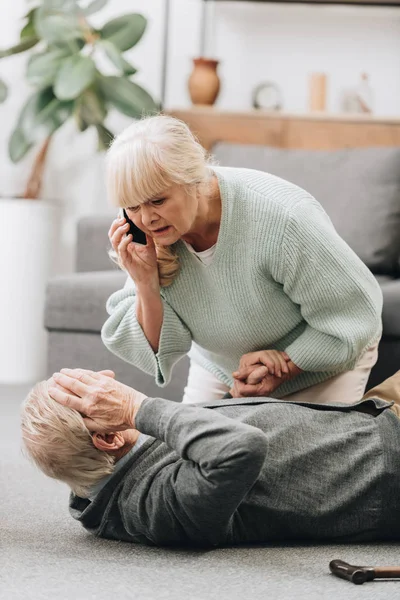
(28, 244)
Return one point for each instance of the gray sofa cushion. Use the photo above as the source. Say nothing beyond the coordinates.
(77, 302)
(93, 243)
(359, 189)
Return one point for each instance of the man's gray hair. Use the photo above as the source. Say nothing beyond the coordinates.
(57, 440)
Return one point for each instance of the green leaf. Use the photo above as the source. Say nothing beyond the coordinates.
(21, 47)
(76, 74)
(56, 27)
(72, 46)
(43, 68)
(18, 146)
(94, 7)
(127, 97)
(42, 115)
(125, 31)
(3, 91)
(90, 109)
(105, 137)
(29, 29)
(116, 58)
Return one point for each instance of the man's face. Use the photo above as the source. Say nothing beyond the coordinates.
(166, 218)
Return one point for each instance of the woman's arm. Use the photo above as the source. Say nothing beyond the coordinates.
(149, 313)
(339, 298)
(124, 336)
(142, 328)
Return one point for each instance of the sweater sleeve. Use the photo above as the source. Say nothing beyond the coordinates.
(194, 497)
(124, 337)
(339, 298)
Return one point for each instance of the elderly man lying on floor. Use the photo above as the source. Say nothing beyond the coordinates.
(156, 472)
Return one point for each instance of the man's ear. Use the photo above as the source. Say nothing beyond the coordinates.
(106, 442)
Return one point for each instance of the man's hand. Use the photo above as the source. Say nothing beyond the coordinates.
(105, 404)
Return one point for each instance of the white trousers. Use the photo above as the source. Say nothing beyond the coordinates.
(346, 387)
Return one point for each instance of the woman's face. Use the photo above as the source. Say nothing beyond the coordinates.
(166, 218)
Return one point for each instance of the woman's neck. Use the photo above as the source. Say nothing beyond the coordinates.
(204, 233)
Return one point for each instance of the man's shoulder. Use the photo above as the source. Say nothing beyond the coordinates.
(373, 406)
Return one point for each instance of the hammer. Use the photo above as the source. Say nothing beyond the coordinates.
(359, 575)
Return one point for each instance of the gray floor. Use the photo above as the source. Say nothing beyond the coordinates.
(44, 554)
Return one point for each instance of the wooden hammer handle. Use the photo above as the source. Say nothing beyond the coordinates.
(387, 572)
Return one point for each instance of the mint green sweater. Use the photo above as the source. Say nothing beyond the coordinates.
(281, 278)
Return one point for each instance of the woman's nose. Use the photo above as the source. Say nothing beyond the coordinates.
(149, 216)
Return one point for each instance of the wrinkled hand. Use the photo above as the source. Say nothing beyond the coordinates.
(260, 383)
(261, 373)
(106, 405)
(139, 260)
(274, 360)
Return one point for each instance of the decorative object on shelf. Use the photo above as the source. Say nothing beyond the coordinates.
(267, 96)
(317, 91)
(204, 83)
(67, 84)
(359, 99)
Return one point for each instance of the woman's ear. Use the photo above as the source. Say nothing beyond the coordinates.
(107, 442)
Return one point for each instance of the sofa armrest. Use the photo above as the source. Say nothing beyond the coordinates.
(77, 301)
(93, 244)
(391, 308)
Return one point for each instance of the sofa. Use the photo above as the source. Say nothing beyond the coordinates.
(359, 189)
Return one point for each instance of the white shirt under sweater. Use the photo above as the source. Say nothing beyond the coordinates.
(205, 256)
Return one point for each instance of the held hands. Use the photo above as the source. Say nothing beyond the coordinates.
(261, 373)
(138, 260)
(106, 405)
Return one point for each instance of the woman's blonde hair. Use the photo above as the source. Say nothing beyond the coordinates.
(56, 439)
(148, 157)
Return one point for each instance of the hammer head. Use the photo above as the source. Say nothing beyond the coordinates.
(357, 575)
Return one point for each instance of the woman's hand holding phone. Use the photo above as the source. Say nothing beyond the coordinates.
(140, 261)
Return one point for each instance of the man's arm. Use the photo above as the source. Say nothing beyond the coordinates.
(196, 496)
(193, 496)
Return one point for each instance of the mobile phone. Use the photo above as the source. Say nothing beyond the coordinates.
(139, 236)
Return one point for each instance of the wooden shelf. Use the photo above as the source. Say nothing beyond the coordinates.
(206, 110)
(290, 130)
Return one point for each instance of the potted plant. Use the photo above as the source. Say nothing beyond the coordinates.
(63, 69)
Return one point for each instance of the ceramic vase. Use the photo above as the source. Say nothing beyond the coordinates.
(204, 83)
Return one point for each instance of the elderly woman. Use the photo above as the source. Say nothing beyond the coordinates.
(240, 267)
